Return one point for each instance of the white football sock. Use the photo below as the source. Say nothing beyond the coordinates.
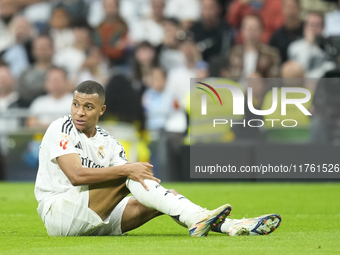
(163, 200)
(228, 223)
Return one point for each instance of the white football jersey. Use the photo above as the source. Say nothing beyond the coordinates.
(63, 138)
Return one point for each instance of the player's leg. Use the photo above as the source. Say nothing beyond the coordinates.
(136, 214)
(103, 198)
(262, 225)
(198, 220)
(127, 215)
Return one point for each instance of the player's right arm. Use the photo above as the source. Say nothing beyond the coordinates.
(59, 143)
(71, 165)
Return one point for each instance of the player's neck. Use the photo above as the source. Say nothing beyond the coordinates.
(90, 133)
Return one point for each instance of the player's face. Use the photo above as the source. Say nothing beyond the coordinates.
(86, 110)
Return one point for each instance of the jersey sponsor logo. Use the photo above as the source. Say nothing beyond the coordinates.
(78, 146)
(101, 153)
(63, 144)
(86, 162)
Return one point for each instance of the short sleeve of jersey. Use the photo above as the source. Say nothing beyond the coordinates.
(118, 158)
(59, 139)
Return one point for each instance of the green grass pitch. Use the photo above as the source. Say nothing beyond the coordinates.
(310, 223)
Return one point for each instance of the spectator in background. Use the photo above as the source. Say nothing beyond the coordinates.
(25, 34)
(123, 101)
(38, 13)
(96, 14)
(17, 56)
(143, 61)
(158, 105)
(111, 35)
(135, 10)
(325, 110)
(60, 29)
(72, 57)
(292, 74)
(57, 102)
(168, 52)
(124, 94)
(332, 21)
(76, 9)
(252, 55)
(178, 82)
(178, 85)
(132, 11)
(8, 99)
(31, 82)
(7, 11)
(292, 69)
(259, 89)
(149, 29)
(322, 6)
(269, 11)
(307, 52)
(219, 67)
(212, 34)
(186, 11)
(94, 67)
(257, 83)
(193, 57)
(291, 30)
(8, 94)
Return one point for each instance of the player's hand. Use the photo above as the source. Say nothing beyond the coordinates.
(141, 171)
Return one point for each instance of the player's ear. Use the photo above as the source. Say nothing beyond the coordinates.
(102, 110)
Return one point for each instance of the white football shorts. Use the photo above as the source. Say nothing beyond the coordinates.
(70, 215)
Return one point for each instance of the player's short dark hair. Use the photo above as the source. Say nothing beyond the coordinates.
(92, 87)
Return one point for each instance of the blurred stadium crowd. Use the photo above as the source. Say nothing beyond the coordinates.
(144, 53)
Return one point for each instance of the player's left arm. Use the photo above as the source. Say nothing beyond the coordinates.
(71, 165)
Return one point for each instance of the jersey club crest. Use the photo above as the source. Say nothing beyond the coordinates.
(101, 154)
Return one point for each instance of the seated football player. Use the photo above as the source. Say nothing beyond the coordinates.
(84, 179)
